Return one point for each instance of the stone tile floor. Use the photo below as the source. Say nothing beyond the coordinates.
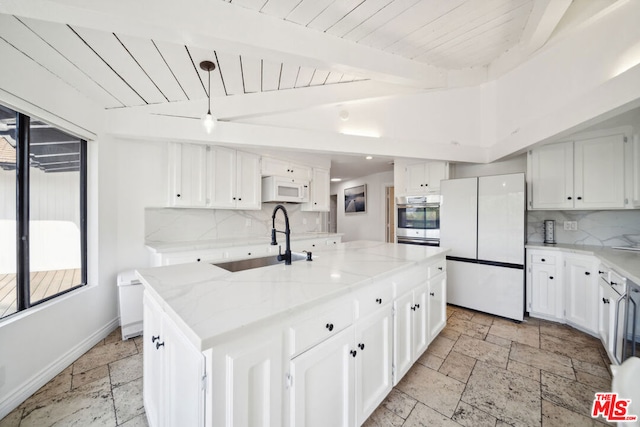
(480, 371)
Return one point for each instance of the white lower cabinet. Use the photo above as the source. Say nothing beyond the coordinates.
(581, 292)
(544, 285)
(607, 298)
(410, 330)
(437, 310)
(174, 372)
(322, 383)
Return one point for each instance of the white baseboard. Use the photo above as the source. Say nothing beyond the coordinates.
(29, 387)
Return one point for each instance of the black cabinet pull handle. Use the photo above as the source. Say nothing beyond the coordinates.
(587, 273)
(613, 283)
(600, 272)
(550, 277)
(417, 305)
(155, 338)
(159, 344)
(605, 300)
(329, 326)
(353, 353)
(440, 268)
(432, 294)
(379, 300)
(569, 198)
(361, 345)
(239, 198)
(579, 198)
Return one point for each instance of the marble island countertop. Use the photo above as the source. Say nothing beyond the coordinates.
(209, 303)
(192, 245)
(627, 263)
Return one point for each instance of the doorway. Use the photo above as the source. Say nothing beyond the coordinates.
(390, 215)
(332, 218)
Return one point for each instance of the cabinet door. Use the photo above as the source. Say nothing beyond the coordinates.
(221, 177)
(402, 336)
(320, 189)
(551, 175)
(373, 362)
(416, 179)
(275, 167)
(599, 172)
(544, 285)
(152, 361)
(322, 381)
(581, 293)
(248, 181)
(437, 305)
(420, 321)
(435, 172)
(184, 379)
(606, 298)
(253, 389)
(187, 174)
(634, 172)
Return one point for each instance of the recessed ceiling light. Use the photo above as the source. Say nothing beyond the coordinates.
(369, 157)
(336, 179)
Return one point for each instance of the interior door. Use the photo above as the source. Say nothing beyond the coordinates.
(459, 217)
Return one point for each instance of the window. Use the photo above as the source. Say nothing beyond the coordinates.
(42, 212)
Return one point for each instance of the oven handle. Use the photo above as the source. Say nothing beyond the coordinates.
(615, 328)
(427, 205)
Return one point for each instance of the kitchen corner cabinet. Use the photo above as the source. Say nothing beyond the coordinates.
(284, 168)
(174, 372)
(424, 178)
(545, 296)
(235, 179)
(581, 287)
(583, 174)
(320, 189)
(205, 176)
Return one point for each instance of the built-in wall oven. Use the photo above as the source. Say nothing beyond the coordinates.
(419, 220)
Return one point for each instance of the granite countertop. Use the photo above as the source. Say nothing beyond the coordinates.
(209, 303)
(193, 245)
(627, 263)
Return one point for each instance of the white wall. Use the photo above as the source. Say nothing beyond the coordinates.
(369, 225)
(517, 164)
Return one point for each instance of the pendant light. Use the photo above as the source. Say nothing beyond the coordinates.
(208, 120)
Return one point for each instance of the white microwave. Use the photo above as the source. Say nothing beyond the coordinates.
(282, 189)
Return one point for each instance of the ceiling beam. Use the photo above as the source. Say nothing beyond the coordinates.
(212, 24)
(273, 102)
(544, 18)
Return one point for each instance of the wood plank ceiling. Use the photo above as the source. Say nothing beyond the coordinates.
(118, 70)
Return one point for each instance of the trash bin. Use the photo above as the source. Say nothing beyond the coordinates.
(130, 303)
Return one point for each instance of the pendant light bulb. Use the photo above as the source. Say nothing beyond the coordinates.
(208, 120)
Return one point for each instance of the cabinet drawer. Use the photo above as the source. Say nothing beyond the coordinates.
(436, 268)
(408, 280)
(307, 333)
(543, 259)
(373, 297)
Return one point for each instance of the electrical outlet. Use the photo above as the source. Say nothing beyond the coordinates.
(567, 225)
(574, 225)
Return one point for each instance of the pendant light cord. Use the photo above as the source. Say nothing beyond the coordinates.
(209, 94)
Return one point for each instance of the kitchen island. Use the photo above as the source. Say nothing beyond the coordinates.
(313, 343)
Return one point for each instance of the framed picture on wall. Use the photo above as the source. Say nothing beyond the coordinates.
(355, 199)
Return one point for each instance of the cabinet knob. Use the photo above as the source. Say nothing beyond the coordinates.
(155, 338)
(569, 198)
(379, 300)
(579, 198)
(198, 260)
(329, 326)
(426, 185)
(234, 198)
(605, 300)
(543, 260)
(614, 283)
(587, 273)
(159, 344)
(361, 345)
(421, 185)
(432, 294)
(353, 353)
(440, 268)
(600, 272)
(177, 195)
(417, 305)
(413, 308)
(239, 198)
(550, 277)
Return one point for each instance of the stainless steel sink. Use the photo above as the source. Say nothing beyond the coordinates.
(247, 264)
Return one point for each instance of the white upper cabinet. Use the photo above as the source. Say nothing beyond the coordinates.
(583, 174)
(277, 167)
(187, 175)
(319, 198)
(633, 156)
(424, 178)
(213, 177)
(235, 179)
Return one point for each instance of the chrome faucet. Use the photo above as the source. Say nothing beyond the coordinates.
(287, 231)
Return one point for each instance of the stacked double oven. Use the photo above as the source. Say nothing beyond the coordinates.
(419, 220)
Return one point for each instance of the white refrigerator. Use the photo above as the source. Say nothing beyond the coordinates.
(482, 221)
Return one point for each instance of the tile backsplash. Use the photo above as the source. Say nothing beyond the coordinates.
(598, 228)
(179, 225)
